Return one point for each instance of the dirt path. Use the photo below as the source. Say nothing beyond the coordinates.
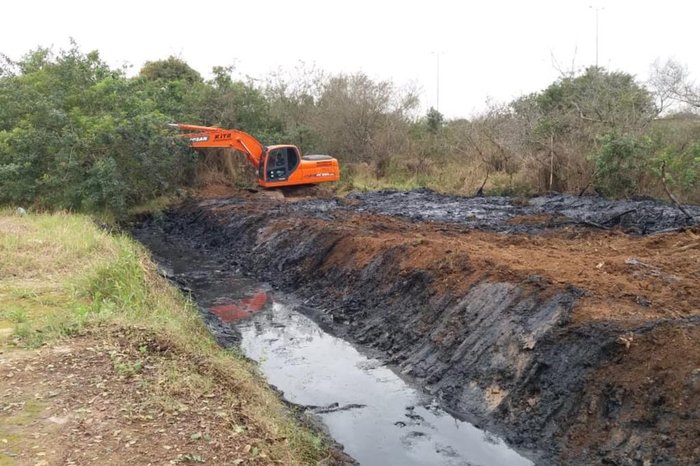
(92, 400)
(541, 320)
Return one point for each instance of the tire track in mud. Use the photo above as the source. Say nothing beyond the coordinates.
(522, 351)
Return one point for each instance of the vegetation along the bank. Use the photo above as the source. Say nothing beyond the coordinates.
(78, 134)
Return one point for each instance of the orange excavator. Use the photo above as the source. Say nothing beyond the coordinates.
(277, 166)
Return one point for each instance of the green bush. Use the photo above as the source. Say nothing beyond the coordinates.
(621, 164)
(75, 134)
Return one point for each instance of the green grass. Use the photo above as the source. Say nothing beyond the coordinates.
(15, 315)
(63, 276)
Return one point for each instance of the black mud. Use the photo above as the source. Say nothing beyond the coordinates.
(636, 216)
(640, 216)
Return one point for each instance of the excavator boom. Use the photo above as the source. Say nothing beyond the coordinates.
(207, 136)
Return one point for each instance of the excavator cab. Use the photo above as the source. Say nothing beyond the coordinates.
(279, 163)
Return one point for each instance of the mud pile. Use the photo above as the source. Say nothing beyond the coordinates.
(640, 216)
(539, 337)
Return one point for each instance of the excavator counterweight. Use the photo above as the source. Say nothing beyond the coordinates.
(277, 166)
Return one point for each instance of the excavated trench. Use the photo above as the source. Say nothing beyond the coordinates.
(360, 402)
(554, 322)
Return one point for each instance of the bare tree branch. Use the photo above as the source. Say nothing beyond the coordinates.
(671, 196)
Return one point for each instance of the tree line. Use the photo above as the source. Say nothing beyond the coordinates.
(78, 134)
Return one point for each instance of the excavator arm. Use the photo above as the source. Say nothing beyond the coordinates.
(202, 137)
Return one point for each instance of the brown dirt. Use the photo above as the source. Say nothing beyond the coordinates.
(118, 400)
(532, 219)
(290, 193)
(626, 278)
(216, 190)
(659, 369)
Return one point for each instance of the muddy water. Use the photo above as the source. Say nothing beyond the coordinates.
(372, 412)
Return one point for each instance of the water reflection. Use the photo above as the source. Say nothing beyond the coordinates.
(370, 410)
(232, 310)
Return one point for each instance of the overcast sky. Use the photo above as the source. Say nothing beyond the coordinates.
(488, 49)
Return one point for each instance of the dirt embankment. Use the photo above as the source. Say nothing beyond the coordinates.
(538, 319)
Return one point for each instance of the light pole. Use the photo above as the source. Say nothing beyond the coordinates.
(437, 79)
(597, 10)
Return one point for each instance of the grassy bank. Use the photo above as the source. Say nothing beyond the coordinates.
(66, 283)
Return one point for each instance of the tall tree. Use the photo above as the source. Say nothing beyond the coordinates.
(671, 83)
